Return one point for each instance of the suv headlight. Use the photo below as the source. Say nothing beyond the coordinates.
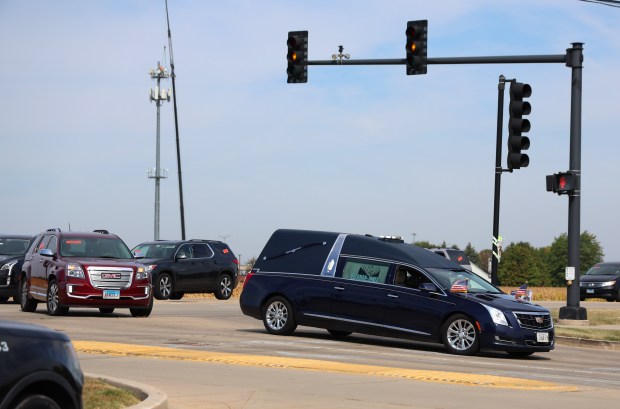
(150, 267)
(608, 284)
(142, 273)
(497, 316)
(75, 270)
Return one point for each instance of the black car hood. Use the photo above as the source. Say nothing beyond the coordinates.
(4, 257)
(30, 330)
(598, 278)
(152, 260)
(506, 302)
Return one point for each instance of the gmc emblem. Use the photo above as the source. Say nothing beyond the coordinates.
(110, 276)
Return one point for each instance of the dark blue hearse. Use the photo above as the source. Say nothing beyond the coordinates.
(382, 286)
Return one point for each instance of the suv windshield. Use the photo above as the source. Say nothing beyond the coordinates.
(154, 250)
(475, 284)
(604, 270)
(13, 247)
(94, 247)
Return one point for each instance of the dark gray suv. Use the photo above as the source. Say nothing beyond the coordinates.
(178, 267)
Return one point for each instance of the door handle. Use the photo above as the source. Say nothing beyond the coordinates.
(339, 288)
(392, 295)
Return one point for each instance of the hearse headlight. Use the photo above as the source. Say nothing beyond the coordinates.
(497, 316)
(75, 270)
(141, 273)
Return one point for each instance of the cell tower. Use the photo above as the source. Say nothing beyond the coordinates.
(158, 95)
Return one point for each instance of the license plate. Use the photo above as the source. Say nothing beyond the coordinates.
(542, 337)
(111, 294)
(590, 291)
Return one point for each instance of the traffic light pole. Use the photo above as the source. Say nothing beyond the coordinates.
(498, 179)
(573, 311)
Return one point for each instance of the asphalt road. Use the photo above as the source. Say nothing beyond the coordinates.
(205, 354)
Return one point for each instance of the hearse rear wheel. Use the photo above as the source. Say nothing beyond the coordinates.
(278, 316)
(460, 335)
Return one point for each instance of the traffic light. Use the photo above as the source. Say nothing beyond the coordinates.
(297, 57)
(562, 183)
(417, 37)
(517, 125)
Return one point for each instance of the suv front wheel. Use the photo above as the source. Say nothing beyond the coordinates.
(163, 287)
(53, 301)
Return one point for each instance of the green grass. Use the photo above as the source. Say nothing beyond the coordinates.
(596, 317)
(99, 394)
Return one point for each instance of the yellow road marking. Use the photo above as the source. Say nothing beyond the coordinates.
(145, 351)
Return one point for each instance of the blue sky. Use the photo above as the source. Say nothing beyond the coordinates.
(359, 149)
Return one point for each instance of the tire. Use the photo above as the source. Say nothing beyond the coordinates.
(177, 296)
(142, 312)
(163, 287)
(53, 302)
(224, 287)
(339, 334)
(618, 296)
(460, 336)
(278, 316)
(27, 304)
(37, 402)
(106, 310)
(3, 300)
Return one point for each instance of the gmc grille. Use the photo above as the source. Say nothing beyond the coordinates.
(534, 320)
(110, 277)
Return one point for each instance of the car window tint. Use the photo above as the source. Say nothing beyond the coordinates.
(43, 243)
(202, 251)
(365, 270)
(52, 244)
(409, 277)
(185, 251)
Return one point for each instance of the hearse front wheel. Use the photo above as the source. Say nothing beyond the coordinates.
(460, 335)
(278, 316)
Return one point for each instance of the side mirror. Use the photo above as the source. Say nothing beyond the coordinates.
(429, 287)
(46, 253)
(181, 256)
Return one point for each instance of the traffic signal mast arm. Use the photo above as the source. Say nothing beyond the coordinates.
(514, 59)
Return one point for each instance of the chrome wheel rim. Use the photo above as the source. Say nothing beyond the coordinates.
(226, 286)
(165, 286)
(52, 298)
(461, 335)
(276, 315)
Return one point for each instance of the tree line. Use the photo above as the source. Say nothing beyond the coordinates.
(539, 267)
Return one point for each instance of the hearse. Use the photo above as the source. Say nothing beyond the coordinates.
(383, 286)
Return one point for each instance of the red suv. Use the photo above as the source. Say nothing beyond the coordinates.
(72, 269)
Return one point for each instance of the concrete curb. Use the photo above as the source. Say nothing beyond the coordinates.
(152, 398)
(588, 343)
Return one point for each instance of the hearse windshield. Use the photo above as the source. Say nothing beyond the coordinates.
(475, 284)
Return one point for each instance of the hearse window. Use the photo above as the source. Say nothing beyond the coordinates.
(365, 270)
(409, 277)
